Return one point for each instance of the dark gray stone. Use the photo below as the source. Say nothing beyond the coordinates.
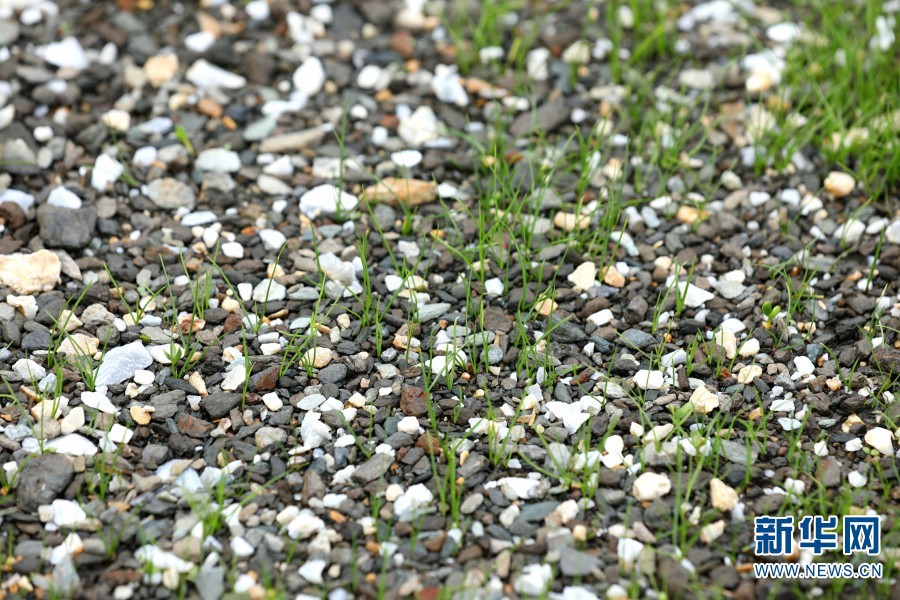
(42, 480)
(373, 468)
(574, 563)
(219, 404)
(635, 338)
(564, 330)
(537, 511)
(546, 118)
(65, 227)
(166, 405)
(737, 453)
(155, 455)
(210, 583)
(333, 373)
(36, 340)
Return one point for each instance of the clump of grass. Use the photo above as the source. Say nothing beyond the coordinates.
(140, 308)
(844, 86)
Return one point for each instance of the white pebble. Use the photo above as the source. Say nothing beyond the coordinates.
(63, 198)
(272, 239)
(650, 486)
(106, 171)
(649, 380)
(43, 133)
(881, 439)
(409, 425)
(233, 250)
(309, 77)
(857, 479)
(494, 287)
(258, 10)
(804, 366)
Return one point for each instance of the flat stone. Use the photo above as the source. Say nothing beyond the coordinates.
(419, 128)
(429, 312)
(207, 75)
(829, 472)
(171, 194)
(121, 363)
(545, 119)
(161, 68)
(574, 563)
(584, 276)
(737, 453)
(65, 54)
(564, 330)
(218, 159)
(210, 582)
(333, 373)
(533, 580)
(704, 401)
(374, 468)
(638, 339)
(218, 405)
(413, 401)
(326, 199)
(270, 438)
(63, 198)
(287, 142)
(649, 380)
(42, 480)
(400, 191)
(694, 296)
(9, 32)
(260, 131)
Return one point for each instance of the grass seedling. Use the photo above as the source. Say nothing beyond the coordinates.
(770, 312)
(77, 351)
(184, 355)
(182, 136)
(141, 307)
(682, 293)
(202, 288)
(873, 267)
(471, 34)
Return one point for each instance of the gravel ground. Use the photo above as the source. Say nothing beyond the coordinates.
(373, 299)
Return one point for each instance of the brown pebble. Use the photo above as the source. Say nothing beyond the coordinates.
(389, 121)
(469, 553)
(429, 443)
(413, 401)
(232, 323)
(745, 591)
(12, 215)
(336, 517)
(404, 44)
(434, 544)
(265, 381)
(395, 191)
(140, 415)
(210, 108)
(192, 426)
